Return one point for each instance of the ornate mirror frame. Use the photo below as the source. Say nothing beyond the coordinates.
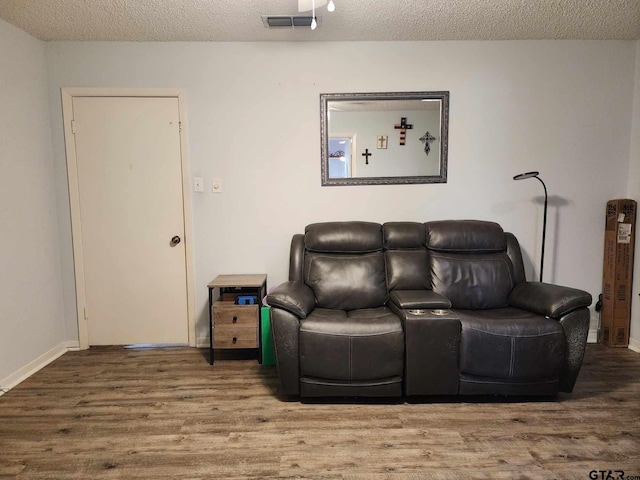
(362, 99)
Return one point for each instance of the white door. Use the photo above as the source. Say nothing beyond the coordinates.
(131, 207)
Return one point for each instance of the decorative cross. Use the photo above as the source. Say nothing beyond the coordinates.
(366, 155)
(427, 138)
(403, 126)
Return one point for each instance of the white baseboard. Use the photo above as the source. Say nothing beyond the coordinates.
(32, 367)
(634, 345)
(593, 336)
(72, 346)
(202, 342)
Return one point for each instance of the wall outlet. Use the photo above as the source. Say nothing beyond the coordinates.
(198, 184)
(216, 185)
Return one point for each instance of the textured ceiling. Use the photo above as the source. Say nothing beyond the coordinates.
(369, 20)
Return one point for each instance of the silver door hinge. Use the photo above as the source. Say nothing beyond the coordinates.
(73, 126)
(180, 127)
(86, 313)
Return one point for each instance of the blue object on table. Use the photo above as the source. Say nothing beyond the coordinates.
(247, 300)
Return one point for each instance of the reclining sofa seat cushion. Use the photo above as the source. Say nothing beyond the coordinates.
(355, 345)
(351, 337)
(498, 344)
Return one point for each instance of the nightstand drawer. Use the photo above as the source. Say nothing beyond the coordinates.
(235, 337)
(228, 314)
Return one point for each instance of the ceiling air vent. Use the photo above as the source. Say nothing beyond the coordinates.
(288, 21)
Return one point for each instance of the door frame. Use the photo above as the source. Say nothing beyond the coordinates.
(74, 197)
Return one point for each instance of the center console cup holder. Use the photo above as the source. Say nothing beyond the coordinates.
(424, 311)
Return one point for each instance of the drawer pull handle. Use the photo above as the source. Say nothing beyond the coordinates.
(235, 319)
(235, 340)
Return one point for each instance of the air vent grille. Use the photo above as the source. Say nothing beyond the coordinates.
(288, 21)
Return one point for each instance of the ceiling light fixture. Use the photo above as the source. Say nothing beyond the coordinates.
(306, 5)
(314, 24)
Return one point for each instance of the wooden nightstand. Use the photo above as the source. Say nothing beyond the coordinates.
(232, 325)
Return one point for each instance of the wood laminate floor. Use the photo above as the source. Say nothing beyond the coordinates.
(166, 414)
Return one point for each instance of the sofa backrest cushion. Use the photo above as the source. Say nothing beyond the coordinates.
(406, 256)
(408, 270)
(346, 281)
(343, 237)
(465, 236)
(344, 265)
(475, 282)
(403, 235)
(469, 263)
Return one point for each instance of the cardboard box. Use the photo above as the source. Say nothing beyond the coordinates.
(617, 275)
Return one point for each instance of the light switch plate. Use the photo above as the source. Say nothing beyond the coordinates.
(198, 184)
(216, 185)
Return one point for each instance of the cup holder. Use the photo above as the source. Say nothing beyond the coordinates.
(423, 311)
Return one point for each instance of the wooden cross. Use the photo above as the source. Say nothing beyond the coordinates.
(403, 126)
(366, 155)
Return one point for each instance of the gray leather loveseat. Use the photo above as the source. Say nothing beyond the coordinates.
(436, 308)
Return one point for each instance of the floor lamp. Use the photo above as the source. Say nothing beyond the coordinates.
(524, 176)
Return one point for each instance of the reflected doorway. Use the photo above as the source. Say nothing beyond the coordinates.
(341, 163)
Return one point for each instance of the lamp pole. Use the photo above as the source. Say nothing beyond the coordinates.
(524, 176)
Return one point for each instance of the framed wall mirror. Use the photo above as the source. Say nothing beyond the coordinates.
(384, 138)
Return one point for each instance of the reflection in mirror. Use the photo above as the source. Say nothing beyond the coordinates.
(384, 138)
(340, 156)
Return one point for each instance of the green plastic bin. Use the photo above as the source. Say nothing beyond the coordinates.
(268, 352)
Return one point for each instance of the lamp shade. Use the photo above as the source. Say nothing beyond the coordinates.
(523, 176)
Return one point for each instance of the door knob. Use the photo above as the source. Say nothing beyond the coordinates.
(175, 241)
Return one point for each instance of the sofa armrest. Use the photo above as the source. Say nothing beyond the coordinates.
(285, 328)
(294, 297)
(405, 299)
(550, 300)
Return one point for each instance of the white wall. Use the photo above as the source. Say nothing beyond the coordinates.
(31, 322)
(563, 108)
(633, 191)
